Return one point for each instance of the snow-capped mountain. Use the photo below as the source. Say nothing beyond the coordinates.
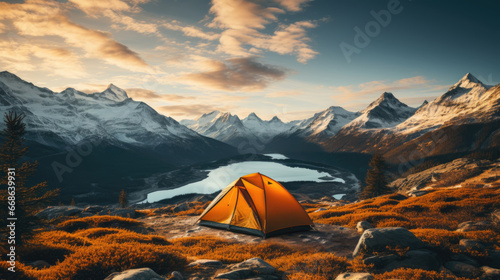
(385, 112)
(230, 129)
(326, 123)
(469, 100)
(70, 117)
(463, 119)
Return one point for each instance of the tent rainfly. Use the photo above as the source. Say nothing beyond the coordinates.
(256, 204)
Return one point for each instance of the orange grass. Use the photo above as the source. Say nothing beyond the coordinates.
(98, 221)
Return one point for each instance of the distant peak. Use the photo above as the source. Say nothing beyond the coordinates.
(275, 118)
(114, 93)
(387, 95)
(468, 81)
(253, 116)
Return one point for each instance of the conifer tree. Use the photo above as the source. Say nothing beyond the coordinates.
(123, 199)
(28, 199)
(376, 182)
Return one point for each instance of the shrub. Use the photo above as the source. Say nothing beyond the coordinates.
(98, 221)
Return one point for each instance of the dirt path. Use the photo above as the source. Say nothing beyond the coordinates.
(337, 239)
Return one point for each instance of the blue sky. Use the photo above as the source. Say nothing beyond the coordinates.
(279, 57)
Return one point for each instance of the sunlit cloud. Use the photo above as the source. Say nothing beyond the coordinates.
(243, 23)
(293, 5)
(43, 18)
(147, 94)
(284, 93)
(236, 74)
(191, 111)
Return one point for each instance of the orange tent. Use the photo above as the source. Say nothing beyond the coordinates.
(256, 204)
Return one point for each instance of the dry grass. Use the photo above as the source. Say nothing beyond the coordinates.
(411, 274)
(98, 221)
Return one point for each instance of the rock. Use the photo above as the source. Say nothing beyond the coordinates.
(236, 274)
(135, 274)
(212, 263)
(40, 264)
(362, 226)
(378, 239)
(94, 209)
(121, 212)
(464, 259)
(461, 269)
(320, 209)
(417, 259)
(355, 276)
(490, 273)
(176, 275)
(472, 226)
(493, 258)
(255, 264)
(471, 244)
(381, 261)
(53, 212)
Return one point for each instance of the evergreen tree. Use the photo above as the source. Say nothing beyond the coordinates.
(123, 199)
(376, 182)
(73, 203)
(28, 199)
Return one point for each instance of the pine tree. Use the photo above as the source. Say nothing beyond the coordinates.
(123, 199)
(28, 199)
(376, 182)
(73, 203)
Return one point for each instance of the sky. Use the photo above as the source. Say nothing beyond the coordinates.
(289, 58)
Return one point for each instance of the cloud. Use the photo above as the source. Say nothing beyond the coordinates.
(244, 22)
(292, 39)
(292, 5)
(368, 89)
(191, 31)
(95, 7)
(283, 93)
(39, 18)
(145, 94)
(129, 23)
(236, 74)
(20, 56)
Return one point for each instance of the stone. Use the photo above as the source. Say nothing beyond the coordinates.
(53, 212)
(490, 273)
(378, 239)
(319, 210)
(255, 264)
(471, 244)
(416, 259)
(40, 264)
(94, 209)
(236, 274)
(493, 259)
(380, 261)
(362, 226)
(181, 207)
(461, 269)
(355, 276)
(176, 275)
(473, 226)
(464, 259)
(417, 193)
(211, 263)
(495, 216)
(135, 274)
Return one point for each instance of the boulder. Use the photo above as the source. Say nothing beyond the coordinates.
(495, 216)
(380, 261)
(94, 209)
(255, 264)
(211, 263)
(135, 274)
(362, 226)
(181, 207)
(471, 244)
(493, 258)
(254, 267)
(40, 264)
(464, 259)
(176, 275)
(490, 273)
(355, 276)
(473, 226)
(53, 212)
(319, 210)
(461, 269)
(416, 259)
(378, 239)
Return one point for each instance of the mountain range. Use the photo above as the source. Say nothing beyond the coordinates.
(465, 118)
